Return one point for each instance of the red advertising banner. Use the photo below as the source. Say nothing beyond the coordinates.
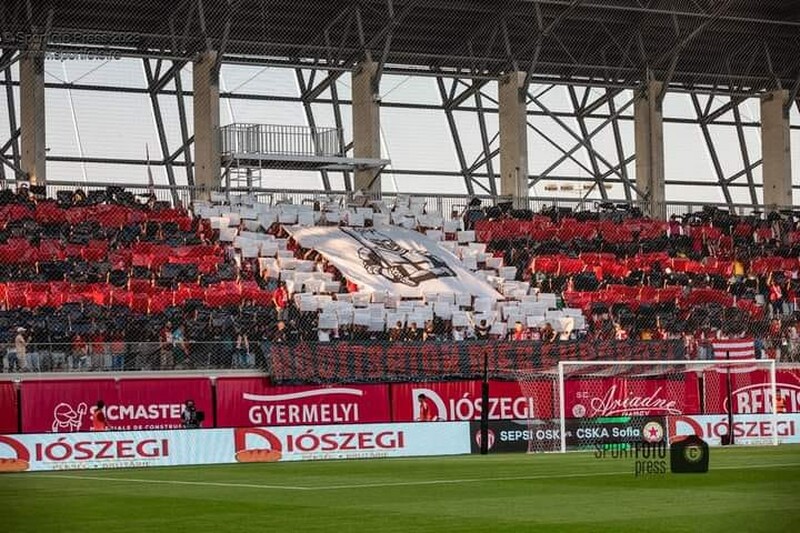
(461, 400)
(60, 406)
(751, 390)
(244, 402)
(8, 408)
(621, 396)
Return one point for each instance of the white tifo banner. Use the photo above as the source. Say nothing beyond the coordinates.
(752, 429)
(389, 258)
(127, 449)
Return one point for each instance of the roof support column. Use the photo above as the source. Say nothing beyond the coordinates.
(649, 140)
(513, 137)
(32, 120)
(366, 127)
(206, 122)
(776, 151)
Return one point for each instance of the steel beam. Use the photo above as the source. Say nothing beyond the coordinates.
(187, 139)
(623, 167)
(454, 134)
(588, 145)
(745, 155)
(162, 134)
(485, 143)
(312, 124)
(581, 141)
(12, 120)
(337, 117)
(712, 151)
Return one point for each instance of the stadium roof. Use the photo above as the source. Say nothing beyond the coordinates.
(733, 46)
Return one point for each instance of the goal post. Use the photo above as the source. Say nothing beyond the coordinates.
(613, 402)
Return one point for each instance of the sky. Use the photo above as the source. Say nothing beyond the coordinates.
(105, 124)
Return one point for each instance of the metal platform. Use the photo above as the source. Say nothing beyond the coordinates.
(247, 149)
(299, 162)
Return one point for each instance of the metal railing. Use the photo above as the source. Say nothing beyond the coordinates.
(279, 139)
(446, 204)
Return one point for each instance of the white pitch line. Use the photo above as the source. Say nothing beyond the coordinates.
(468, 480)
(524, 478)
(390, 483)
(751, 467)
(177, 482)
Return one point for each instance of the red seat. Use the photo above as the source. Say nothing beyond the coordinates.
(161, 301)
(140, 285)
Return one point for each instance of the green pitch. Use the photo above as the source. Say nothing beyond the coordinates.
(747, 489)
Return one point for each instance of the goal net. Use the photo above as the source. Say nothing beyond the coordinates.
(618, 403)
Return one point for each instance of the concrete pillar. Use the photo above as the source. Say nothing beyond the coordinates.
(32, 123)
(513, 138)
(649, 139)
(776, 150)
(206, 123)
(366, 126)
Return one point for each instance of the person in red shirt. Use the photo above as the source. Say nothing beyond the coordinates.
(99, 417)
(776, 298)
(519, 334)
(425, 413)
(281, 299)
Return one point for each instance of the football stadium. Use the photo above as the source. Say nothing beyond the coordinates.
(399, 265)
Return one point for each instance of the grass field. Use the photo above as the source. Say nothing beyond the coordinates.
(747, 489)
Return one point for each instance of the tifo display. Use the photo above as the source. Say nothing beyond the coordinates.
(97, 283)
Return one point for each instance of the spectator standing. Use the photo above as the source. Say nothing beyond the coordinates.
(165, 347)
(430, 332)
(242, 350)
(280, 334)
(518, 333)
(548, 333)
(775, 297)
(21, 348)
(180, 350)
(80, 354)
(482, 330)
(396, 332)
(97, 347)
(189, 417)
(117, 350)
(414, 333)
(793, 343)
(281, 300)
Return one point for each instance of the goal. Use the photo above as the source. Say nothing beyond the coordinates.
(618, 403)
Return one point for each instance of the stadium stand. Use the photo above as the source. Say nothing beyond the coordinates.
(103, 281)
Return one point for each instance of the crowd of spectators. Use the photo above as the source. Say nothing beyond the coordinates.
(86, 335)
